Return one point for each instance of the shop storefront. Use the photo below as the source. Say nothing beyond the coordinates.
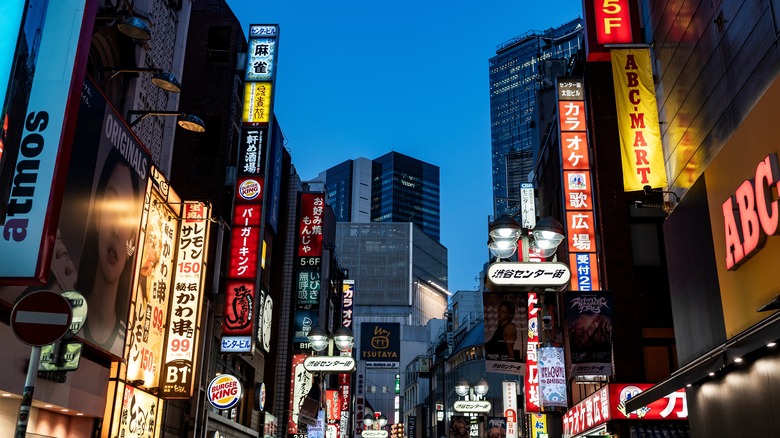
(604, 414)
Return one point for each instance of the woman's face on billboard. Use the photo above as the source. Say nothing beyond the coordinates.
(115, 223)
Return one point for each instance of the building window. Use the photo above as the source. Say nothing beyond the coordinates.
(219, 43)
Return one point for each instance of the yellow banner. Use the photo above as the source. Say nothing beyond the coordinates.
(637, 114)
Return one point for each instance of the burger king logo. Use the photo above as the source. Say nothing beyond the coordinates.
(224, 391)
(249, 189)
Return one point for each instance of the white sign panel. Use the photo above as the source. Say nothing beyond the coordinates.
(529, 274)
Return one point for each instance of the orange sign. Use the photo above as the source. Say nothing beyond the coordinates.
(574, 151)
(581, 232)
(577, 190)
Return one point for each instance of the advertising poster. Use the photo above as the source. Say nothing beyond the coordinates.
(552, 378)
(506, 323)
(589, 325)
(380, 344)
(154, 275)
(459, 427)
(37, 134)
(495, 427)
(98, 233)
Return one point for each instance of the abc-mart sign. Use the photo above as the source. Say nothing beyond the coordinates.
(751, 214)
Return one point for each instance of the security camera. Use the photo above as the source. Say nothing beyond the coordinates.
(546, 322)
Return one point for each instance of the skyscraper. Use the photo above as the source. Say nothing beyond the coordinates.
(521, 67)
(387, 239)
(391, 188)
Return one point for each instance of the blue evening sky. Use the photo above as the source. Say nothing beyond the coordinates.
(363, 78)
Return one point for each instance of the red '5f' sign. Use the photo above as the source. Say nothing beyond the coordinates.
(613, 21)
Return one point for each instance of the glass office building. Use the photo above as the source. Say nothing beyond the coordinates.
(391, 188)
(521, 67)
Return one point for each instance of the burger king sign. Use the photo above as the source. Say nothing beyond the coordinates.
(224, 391)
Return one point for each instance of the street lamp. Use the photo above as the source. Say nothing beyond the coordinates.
(542, 240)
(368, 417)
(320, 339)
(473, 406)
(463, 388)
(374, 427)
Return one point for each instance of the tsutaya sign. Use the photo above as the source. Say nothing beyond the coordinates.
(751, 213)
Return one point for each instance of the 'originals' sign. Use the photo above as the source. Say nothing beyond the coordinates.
(751, 213)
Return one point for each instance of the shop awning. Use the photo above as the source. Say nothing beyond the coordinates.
(648, 430)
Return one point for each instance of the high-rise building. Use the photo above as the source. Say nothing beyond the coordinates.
(391, 188)
(400, 276)
(521, 67)
(387, 240)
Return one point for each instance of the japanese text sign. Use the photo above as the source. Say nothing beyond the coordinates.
(186, 298)
(637, 116)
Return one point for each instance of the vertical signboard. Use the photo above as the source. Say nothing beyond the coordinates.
(240, 296)
(641, 149)
(153, 278)
(552, 378)
(509, 391)
(577, 183)
(505, 324)
(589, 323)
(300, 385)
(41, 142)
(242, 288)
(532, 375)
(186, 298)
(309, 257)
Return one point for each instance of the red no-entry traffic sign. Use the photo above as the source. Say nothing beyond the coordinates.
(41, 318)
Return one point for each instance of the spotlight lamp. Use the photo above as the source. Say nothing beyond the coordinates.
(382, 420)
(136, 28)
(162, 79)
(187, 121)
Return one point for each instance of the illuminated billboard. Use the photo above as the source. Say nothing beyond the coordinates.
(577, 181)
(39, 141)
(183, 327)
(153, 278)
(238, 324)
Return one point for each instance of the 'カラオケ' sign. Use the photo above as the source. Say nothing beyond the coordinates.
(224, 391)
(751, 214)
